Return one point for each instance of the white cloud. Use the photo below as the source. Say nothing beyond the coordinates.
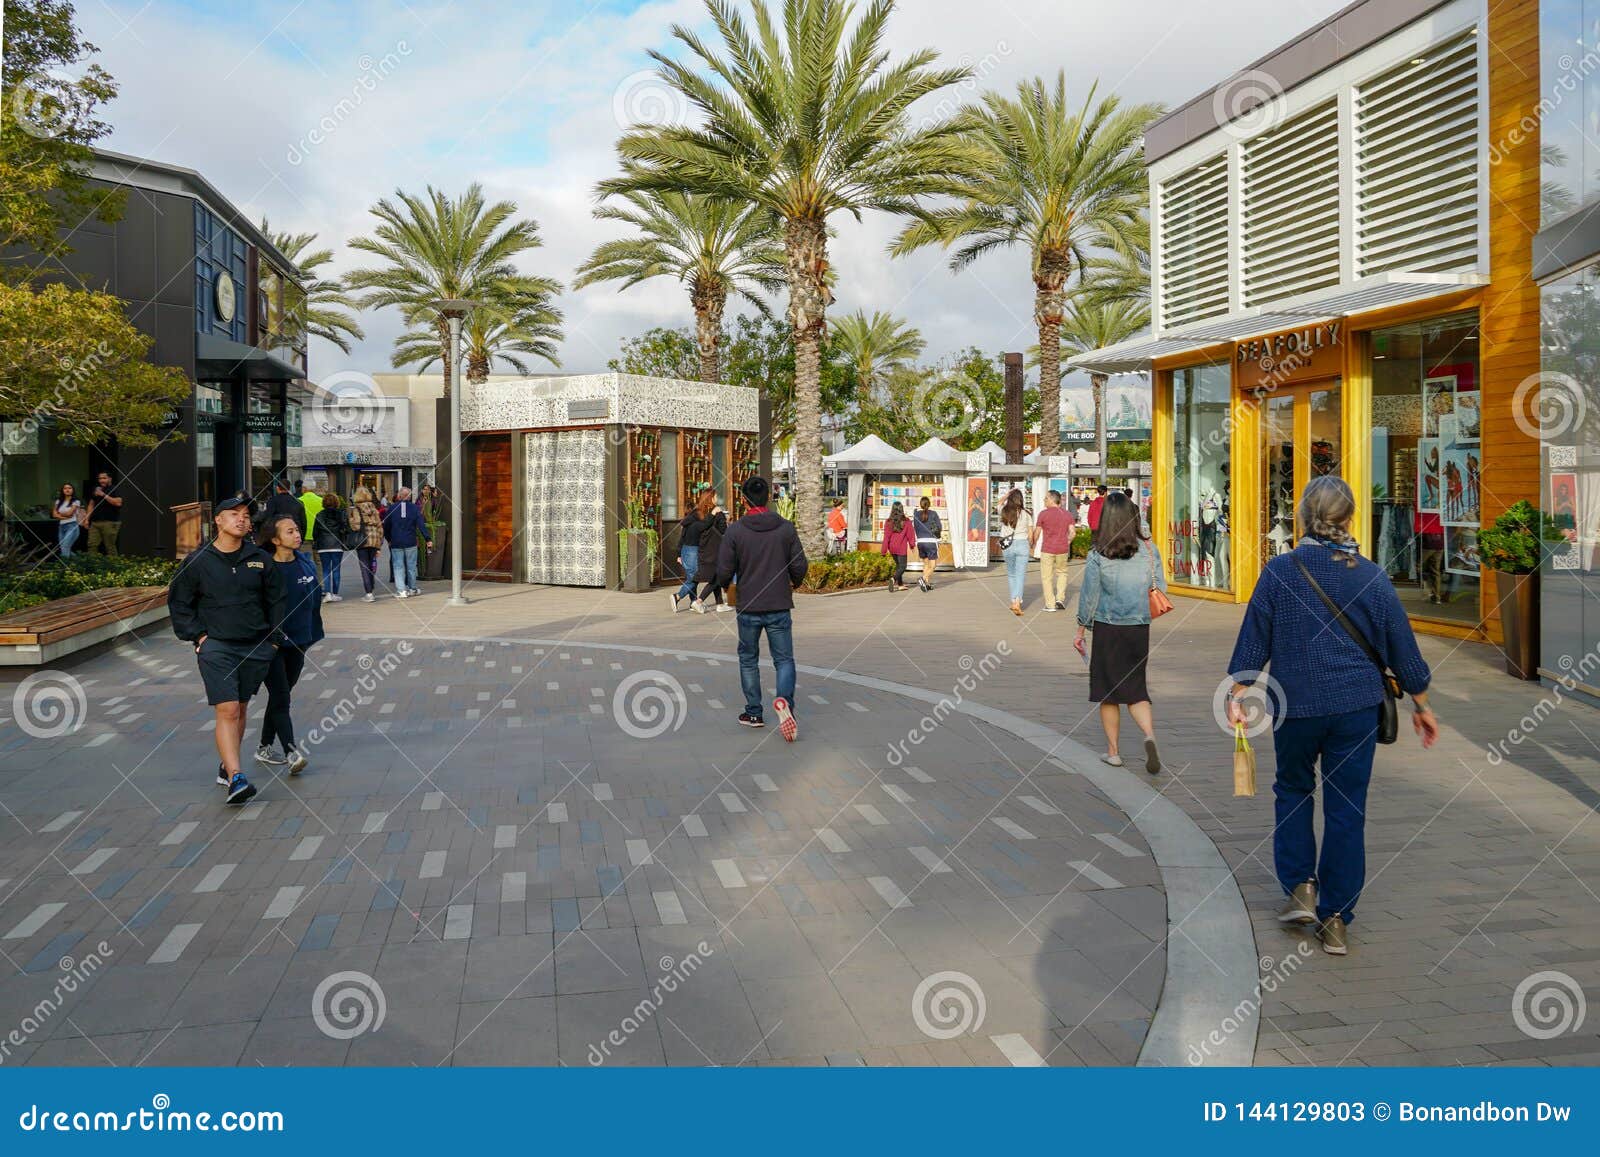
(521, 98)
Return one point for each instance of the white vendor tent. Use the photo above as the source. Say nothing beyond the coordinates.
(996, 453)
(870, 449)
(938, 450)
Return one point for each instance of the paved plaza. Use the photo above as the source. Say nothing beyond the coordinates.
(531, 833)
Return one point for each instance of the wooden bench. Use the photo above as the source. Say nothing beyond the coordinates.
(42, 634)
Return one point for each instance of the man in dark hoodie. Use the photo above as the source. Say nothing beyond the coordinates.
(282, 504)
(228, 599)
(764, 550)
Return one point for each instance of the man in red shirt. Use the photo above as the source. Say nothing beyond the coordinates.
(1095, 507)
(1055, 525)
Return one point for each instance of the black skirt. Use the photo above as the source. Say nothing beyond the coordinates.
(1117, 663)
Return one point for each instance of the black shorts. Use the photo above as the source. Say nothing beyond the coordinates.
(233, 672)
(928, 550)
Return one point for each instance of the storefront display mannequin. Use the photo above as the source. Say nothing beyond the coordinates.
(1210, 530)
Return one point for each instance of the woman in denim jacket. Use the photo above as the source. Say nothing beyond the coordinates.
(1114, 602)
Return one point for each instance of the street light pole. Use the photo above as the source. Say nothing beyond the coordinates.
(453, 309)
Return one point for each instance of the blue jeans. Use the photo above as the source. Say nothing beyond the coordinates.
(330, 570)
(1016, 556)
(689, 556)
(780, 642)
(404, 561)
(66, 535)
(1345, 744)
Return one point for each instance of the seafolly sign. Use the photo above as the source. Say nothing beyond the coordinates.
(1312, 352)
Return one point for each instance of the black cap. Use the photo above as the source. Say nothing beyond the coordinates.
(756, 490)
(230, 503)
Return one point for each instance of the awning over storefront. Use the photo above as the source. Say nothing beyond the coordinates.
(1377, 292)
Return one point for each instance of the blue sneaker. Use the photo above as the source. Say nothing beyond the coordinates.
(240, 789)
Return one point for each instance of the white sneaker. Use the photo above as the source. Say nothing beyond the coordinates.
(368, 597)
(675, 601)
(699, 607)
(723, 609)
(296, 761)
(332, 598)
(1049, 608)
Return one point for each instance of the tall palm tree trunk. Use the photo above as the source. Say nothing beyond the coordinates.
(806, 252)
(477, 368)
(1097, 383)
(709, 302)
(444, 352)
(1048, 305)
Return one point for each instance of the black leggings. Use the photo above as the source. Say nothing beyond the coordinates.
(899, 570)
(368, 557)
(284, 673)
(710, 588)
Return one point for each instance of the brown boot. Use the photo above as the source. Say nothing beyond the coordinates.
(1335, 940)
(1302, 905)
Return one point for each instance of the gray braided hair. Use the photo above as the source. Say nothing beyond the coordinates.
(1326, 508)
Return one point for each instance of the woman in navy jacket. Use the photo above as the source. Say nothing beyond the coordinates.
(1331, 695)
(302, 629)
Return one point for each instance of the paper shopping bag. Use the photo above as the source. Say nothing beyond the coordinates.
(1244, 763)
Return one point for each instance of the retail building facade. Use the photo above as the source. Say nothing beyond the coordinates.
(1341, 285)
(222, 304)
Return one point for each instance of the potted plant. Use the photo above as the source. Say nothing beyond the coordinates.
(1513, 548)
(638, 542)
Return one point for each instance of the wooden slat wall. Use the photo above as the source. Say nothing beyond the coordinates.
(492, 532)
(1509, 322)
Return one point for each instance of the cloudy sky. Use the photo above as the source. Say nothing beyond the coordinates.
(528, 98)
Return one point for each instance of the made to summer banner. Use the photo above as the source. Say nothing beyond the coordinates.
(309, 1111)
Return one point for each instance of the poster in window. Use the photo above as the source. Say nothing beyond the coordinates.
(977, 510)
(1469, 419)
(1438, 401)
(1564, 503)
(1461, 551)
(1428, 491)
(1460, 476)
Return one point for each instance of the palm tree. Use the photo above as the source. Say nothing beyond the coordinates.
(327, 299)
(875, 346)
(1093, 321)
(1063, 183)
(805, 118)
(433, 247)
(531, 330)
(716, 248)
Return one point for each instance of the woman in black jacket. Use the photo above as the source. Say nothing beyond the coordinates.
(327, 539)
(716, 525)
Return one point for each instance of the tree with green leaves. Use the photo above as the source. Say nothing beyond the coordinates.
(805, 116)
(1093, 322)
(1064, 183)
(961, 399)
(874, 346)
(328, 302)
(436, 247)
(658, 353)
(715, 248)
(530, 331)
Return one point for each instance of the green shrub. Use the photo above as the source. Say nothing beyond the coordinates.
(1512, 544)
(841, 572)
(1081, 538)
(87, 572)
(17, 601)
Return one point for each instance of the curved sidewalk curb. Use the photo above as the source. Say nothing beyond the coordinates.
(1212, 965)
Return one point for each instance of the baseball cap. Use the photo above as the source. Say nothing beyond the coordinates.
(232, 502)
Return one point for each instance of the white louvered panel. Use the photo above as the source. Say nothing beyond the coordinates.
(1416, 163)
(1289, 201)
(1194, 243)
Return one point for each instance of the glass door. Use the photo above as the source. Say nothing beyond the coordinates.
(1302, 432)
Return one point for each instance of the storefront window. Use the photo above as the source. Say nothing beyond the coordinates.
(1199, 544)
(1569, 33)
(670, 512)
(34, 463)
(1427, 464)
(1569, 413)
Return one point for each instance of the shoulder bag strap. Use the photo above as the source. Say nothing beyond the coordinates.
(1344, 621)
